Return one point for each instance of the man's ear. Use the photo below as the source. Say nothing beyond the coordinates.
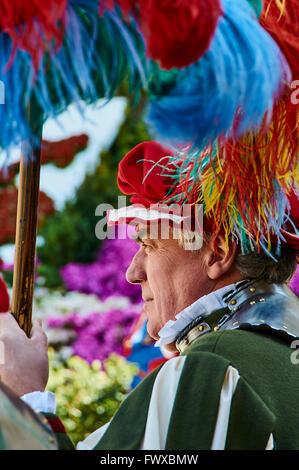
(219, 257)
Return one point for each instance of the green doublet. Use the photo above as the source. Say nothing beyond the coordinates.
(234, 387)
(264, 402)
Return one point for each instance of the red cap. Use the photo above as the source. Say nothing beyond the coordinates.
(140, 173)
(144, 174)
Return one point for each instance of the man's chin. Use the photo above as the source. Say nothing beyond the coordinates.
(171, 347)
(152, 333)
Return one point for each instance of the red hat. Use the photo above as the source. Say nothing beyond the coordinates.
(140, 173)
(143, 176)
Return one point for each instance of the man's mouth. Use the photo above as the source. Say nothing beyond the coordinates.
(147, 303)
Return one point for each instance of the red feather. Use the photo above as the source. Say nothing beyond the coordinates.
(33, 25)
(282, 23)
(176, 33)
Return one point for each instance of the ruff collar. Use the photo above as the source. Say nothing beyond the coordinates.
(202, 307)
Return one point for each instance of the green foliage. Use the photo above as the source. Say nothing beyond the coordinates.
(70, 234)
(88, 396)
(65, 240)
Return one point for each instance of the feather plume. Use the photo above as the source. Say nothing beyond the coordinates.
(176, 34)
(243, 197)
(280, 18)
(96, 55)
(33, 26)
(228, 91)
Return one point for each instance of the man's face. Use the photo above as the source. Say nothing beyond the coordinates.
(171, 278)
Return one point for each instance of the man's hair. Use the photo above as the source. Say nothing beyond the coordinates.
(278, 269)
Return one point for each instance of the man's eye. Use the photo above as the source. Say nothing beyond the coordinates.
(145, 245)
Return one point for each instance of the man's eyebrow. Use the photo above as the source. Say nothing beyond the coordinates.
(140, 235)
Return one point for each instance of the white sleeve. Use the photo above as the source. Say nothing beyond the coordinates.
(91, 441)
(41, 402)
(228, 389)
(161, 404)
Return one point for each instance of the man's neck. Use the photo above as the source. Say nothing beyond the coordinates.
(203, 305)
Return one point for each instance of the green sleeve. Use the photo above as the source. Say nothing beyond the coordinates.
(63, 440)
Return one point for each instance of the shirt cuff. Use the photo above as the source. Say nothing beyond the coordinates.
(41, 402)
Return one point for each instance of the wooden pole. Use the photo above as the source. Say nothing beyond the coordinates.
(26, 231)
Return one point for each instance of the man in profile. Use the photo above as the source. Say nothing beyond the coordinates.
(228, 316)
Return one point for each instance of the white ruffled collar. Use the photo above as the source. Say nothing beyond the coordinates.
(203, 306)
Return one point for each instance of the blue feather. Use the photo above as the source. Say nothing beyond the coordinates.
(98, 53)
(239, 77)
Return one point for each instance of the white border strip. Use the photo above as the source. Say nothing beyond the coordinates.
(141, 213)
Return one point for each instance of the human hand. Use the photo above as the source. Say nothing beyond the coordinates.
(24, 365)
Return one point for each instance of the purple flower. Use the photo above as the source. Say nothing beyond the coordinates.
(107, 275)
(97, 335)
(294, 284)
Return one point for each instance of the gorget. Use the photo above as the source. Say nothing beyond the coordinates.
(253, 305)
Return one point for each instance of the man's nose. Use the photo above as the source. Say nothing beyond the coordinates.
(136, 271)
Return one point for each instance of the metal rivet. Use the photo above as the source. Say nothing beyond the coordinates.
(262, 321)
(200, 328)
(252, 302)
(284, 326)
(262, 300)
(186, 341)
(216, 328)
(252, 289)
(235, 309)
(235, 323)
(233, 302)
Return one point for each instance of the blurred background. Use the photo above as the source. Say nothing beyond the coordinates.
(98, 346)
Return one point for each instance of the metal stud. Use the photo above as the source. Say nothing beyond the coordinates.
(252, 302)
(201, 328)
(216, 328)
(262, 300)
(252, 289)
(233, 302)
(235, 323)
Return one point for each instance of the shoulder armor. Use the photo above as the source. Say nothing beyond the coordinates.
(265, 306)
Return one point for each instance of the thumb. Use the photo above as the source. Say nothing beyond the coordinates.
(37, 332)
